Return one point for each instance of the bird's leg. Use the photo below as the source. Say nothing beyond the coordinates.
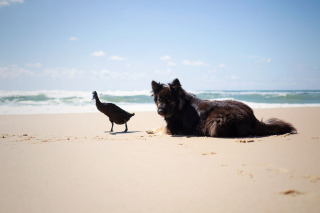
(126, 130)
(111, 127)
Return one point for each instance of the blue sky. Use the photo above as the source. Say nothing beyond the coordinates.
(124, 45)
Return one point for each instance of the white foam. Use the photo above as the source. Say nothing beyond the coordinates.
(63, 108)
(270, 105)
(66, 94)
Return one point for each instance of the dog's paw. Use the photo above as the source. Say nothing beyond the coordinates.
(159, 130)
(150, 131)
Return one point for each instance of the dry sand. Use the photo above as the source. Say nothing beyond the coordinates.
(71, 163)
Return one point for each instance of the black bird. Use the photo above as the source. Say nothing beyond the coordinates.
(115, 113)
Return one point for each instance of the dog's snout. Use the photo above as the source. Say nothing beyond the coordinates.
(160, 111)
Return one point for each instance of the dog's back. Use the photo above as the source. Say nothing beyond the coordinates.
(236, 119)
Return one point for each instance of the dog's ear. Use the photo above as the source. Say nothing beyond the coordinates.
(175, 83)
(175, 86)
(156, 87)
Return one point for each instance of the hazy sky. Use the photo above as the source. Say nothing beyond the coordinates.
(124, 45)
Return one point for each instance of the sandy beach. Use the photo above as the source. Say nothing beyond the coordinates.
(72, 163)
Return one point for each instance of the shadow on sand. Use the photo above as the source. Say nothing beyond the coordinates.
(115, 133)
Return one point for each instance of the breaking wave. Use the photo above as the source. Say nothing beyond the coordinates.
(57, 101)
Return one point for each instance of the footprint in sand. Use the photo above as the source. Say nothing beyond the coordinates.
(6, 136)
(239, 172)
(275, 169)
(211, 153)
(312, 178)
(244, 141)
(141, 137)
(291, 192)
(242, 173)
(278, 170)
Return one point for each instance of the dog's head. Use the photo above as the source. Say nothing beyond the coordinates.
(168, 98)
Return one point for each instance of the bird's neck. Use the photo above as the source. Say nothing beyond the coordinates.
(98, 101)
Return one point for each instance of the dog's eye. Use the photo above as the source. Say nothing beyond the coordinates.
(169, 101)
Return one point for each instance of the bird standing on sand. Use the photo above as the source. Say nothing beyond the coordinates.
(115, 113)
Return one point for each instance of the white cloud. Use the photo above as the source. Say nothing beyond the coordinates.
(233, 77)
(4, 3)
(117, 75)
(194, 63)
(222, 65)
(98, 54)
(208, 78)
(73, 39)
(34, 65)
(13, 71)
(107, 74)
(117, 58)
(263, 60)
(166, 57)
(63, 73)
(171, 64)
(8, 2)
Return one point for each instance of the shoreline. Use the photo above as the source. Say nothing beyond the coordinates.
(151, 108)
(70, 162)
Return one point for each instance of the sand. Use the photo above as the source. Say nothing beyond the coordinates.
(72, 163)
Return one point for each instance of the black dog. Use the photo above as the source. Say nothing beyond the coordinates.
(186, 114)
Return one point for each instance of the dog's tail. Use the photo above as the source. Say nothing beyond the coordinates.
(274, 126)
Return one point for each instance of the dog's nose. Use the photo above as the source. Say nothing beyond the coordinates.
(160, 111)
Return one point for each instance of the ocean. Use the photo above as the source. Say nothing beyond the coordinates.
(58, 101)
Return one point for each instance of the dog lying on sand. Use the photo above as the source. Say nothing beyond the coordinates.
(186, 114)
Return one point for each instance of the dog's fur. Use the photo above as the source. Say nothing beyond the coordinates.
(186, 114)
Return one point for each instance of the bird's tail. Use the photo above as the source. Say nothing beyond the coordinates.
(274, 126)
(132, 114)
